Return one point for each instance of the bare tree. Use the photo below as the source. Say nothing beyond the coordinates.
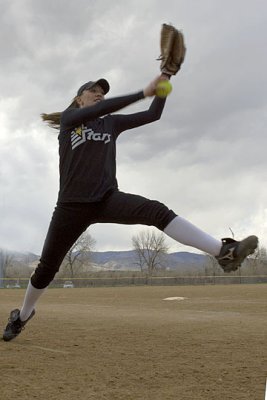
(75, 257)
(150, 249)
(212, 267)
(258, 261)
(5, 261)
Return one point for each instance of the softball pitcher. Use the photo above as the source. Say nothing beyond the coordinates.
(89, 193)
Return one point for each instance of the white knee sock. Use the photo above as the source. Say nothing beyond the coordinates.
(31, 296)
(186, 233)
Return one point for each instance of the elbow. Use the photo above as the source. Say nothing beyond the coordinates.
(157, 118)
(154, 119)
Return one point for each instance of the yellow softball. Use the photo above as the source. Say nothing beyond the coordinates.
(163, 88)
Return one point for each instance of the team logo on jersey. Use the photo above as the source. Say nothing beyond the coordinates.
(82, 134)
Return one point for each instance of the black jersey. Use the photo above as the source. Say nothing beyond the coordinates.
(87, 146)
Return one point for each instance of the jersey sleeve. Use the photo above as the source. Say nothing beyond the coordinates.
(72, 117)
(124, 122)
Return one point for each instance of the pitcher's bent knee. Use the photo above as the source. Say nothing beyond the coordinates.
(43, 275)
(159, 214)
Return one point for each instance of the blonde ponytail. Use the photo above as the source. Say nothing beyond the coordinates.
(53, 119)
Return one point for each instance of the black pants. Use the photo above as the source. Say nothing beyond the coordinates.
(70, 220)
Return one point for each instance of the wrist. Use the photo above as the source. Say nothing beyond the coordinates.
(166, 76)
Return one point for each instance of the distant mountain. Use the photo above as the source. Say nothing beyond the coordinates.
(25, 258)
(184, 258)
(103, 257)
(122, 260)
(127, 260)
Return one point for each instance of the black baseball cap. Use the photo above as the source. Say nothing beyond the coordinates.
(101, 82)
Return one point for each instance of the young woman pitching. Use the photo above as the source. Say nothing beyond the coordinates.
(89, 194)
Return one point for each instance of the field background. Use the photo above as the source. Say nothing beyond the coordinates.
(127, 343)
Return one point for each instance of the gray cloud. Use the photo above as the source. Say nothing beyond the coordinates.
(205, 158)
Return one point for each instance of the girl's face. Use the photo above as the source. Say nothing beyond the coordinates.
(91, 96)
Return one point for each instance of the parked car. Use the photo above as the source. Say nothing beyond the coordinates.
(68, 284)
(14, 286)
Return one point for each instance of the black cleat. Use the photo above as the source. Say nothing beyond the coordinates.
(233, 253)
(15, 325)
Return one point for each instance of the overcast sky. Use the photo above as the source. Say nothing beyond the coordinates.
(206, 157)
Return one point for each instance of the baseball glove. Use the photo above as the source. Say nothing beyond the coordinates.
(172, 50)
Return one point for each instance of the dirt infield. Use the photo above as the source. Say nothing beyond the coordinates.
(127, 343)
